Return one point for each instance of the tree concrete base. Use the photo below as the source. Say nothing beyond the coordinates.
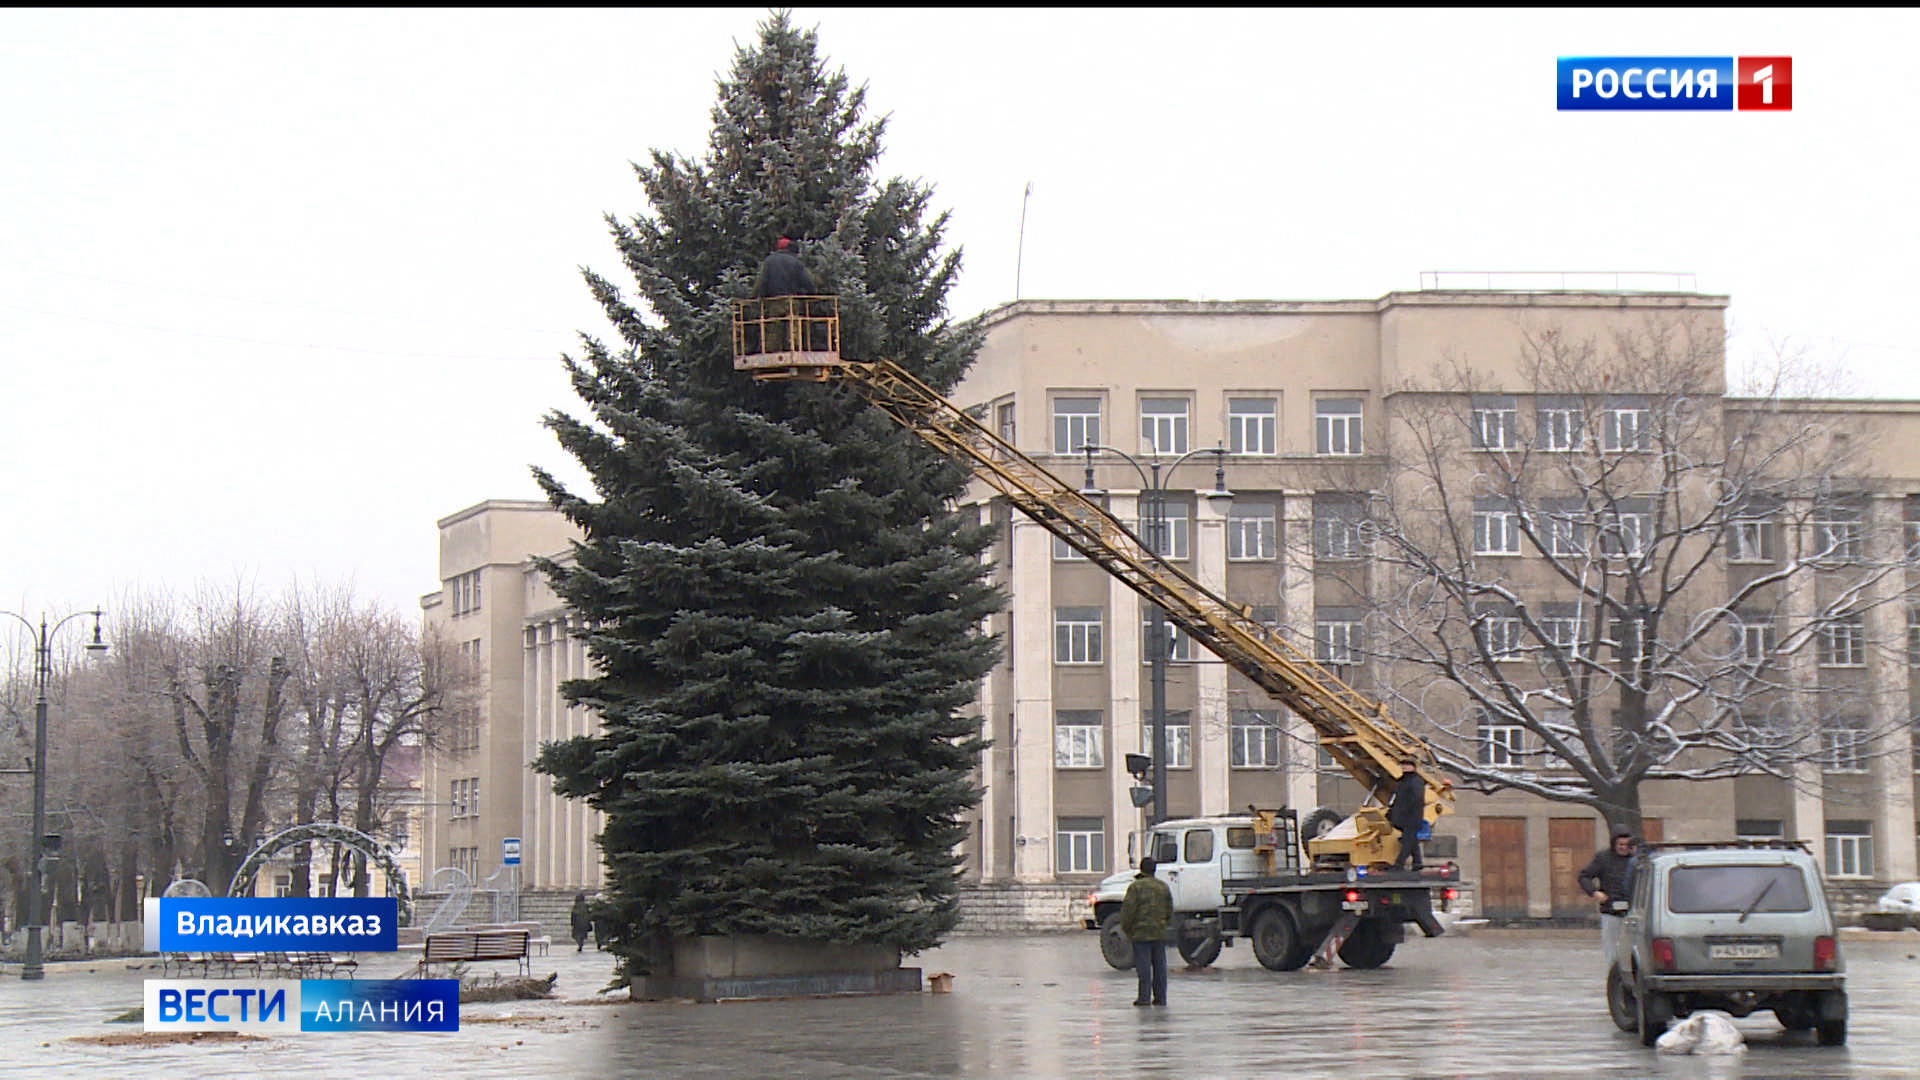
(736, 968)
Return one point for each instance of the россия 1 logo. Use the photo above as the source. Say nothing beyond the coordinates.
(1691, 83)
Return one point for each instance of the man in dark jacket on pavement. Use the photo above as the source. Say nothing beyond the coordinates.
(1407, 811)
(1145, 915)
(1608, 878)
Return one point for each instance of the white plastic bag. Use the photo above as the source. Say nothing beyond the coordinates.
(1708, 1031)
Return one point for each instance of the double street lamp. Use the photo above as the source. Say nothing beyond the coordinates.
(45, 849)
(1154, 512)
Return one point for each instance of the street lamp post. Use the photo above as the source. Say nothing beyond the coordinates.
(43, 848)
(1157, 644)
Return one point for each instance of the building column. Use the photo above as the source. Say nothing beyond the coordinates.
(1127, 710)
(1032, 590)
(1212, 719)
(1302, 754)
(1807, 787)
(1891, 710)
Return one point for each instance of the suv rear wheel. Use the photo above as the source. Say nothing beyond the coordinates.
(1620, 1003)
(1654, 1010)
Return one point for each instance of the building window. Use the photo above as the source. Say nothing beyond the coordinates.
(1336, 426)
(1003, 422)
(1077, 741)
(1750, 540)
(1163, 425)
(1496, 426)
(1339, 529)
(1754, 639)
(1849, 849)
(1758, 829)
(1250, 425)
(1172, 545)
(1503, 638)
(1251, 531)
(1080, 845)
(464, 592)
(1076, 423)
(1179, 738)
(464, 797)
(1558, 427)
(1843, 642)
(1179, 644)
(1844, 746)
(1565, 632)
(1076, 635)
(1836, 533)
(1496, 532)
(1626, 427)
(1338, 641)
(1254, 739)
(1629, 534)
(1566, 532)
(1913, 637)
(1500, 744)
(1065, 552)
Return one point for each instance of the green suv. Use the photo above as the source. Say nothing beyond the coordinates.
(1735, 926)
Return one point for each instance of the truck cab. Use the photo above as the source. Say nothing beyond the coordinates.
(1196, 856)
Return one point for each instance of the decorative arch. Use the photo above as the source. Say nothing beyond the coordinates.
(326, 832)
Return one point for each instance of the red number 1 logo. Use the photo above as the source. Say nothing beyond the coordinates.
(1766, 83)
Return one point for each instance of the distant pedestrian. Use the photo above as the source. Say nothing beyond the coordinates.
(1145, 916)
(582, 921)
(1407, 812)
(1608, 878)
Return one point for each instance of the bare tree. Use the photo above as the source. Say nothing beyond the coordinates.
(1591, 568)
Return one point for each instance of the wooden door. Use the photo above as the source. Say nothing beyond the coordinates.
(1503, 867)
(1570, 843)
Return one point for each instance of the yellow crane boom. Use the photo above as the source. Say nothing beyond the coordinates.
(1355, 730)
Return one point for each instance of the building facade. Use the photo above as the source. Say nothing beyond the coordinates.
(1309, 404)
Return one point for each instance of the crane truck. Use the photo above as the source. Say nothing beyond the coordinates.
(1299, 892)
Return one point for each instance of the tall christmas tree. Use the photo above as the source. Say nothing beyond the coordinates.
(786, 613)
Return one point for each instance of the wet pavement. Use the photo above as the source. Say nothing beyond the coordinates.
(1488, 1005)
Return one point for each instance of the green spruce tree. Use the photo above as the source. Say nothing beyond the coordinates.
(786, 613)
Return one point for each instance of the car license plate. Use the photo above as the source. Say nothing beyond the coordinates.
(1745, 951)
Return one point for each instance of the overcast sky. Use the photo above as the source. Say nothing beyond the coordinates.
(280, 289)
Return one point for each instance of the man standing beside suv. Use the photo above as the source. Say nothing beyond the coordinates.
(1608, 878)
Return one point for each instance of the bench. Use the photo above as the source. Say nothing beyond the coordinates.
(476, 946)
(326, 964)
(185, 961)
(227, 962)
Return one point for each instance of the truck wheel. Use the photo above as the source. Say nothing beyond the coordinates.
(1318, 823)
(1620, 1004)
(1276, 941)
(1115, 948)
(1655, 1009)
(1199, 947)
(1832, 1032)
(1368, 946)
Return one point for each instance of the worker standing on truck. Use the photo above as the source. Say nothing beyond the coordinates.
(1608, 878)
(1145, 915)
(1407, 811)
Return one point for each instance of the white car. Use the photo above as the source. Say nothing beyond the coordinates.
(1902, 899)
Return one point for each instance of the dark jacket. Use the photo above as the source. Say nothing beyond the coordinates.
(782, 274)
(1609, 873)
(1147, 911)
(581, 919)
(1408, 806)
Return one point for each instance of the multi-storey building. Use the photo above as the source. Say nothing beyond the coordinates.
(1308, 403)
